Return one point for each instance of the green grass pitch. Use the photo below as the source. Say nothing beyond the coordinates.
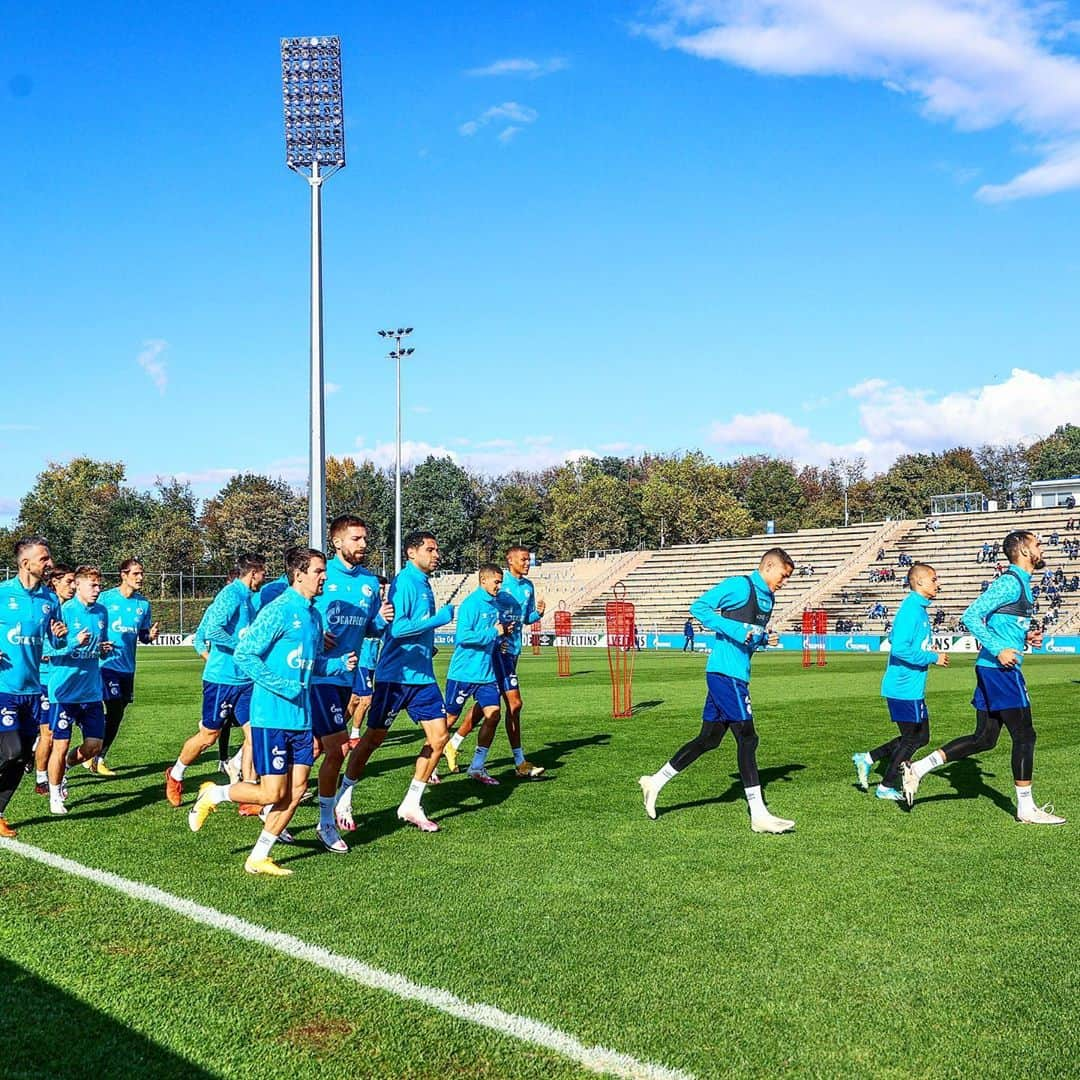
(940, 942)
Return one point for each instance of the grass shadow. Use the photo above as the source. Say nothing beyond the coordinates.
(966, 778)
(641, 706)
(774, 774)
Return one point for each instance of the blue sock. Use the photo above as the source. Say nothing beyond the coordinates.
(519, 755)
(479, 757)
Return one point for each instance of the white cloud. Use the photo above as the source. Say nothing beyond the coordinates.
(492, 457)
(515, 114)
(150, 361)
(412, 453)
(975, 63)
(531, 69)
(422, 409)
(508, 133)
(332, 388)
(896, 420)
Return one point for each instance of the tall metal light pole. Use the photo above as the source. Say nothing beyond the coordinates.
(315, 148)
(397, 355)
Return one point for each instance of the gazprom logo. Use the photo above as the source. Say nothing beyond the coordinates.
(1052, 646)
(15, 636)
(119, 627)
(296, 660)
(7, 717)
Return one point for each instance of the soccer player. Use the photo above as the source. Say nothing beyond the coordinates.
(61, 580)
(226, 689)
(472, 670)
(904, 684)
(75, 686)
(518, 608)
(405, 679)
(1001, 620)
(738, 610)
(281, 651)
(129, 623)
(352, 609)
(28, 619)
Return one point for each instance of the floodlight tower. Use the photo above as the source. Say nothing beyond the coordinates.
(397, 354)
(315, 148)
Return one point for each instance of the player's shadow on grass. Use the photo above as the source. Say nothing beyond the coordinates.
(775, 774)
(92, 798)
(114, 1050)
(642, 706)
(551, 754)
(966, 778)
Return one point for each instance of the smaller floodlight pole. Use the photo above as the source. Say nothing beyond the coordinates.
(315, 141)
(397, 355)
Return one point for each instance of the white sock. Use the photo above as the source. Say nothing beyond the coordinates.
(178, 770)
(1024, 798)
(222, 762)
(479, 757)
(54, 792)
(659, 779)
(412, 796)
(42, 777)
(456, 740)
(326, 811)
(755, 801)
(354, 733)
(219, 793)
(519, 755)
(262, 847)
(344, 793)
(921, 767)
(237, 760)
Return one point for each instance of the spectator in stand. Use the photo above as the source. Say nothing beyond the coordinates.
(983, 586)
(1054, 538)
(984, 554)
(880, 554)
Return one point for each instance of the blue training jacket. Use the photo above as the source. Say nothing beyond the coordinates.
(226, 621)
(731, 651)
(25, 619)
(76, 676)
(409, 641)
(910, 655)
(349, 606)
(1001, 617)
(129, 623)
(517, 608)
(475, 639)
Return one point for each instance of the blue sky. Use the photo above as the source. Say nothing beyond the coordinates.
(799, 226)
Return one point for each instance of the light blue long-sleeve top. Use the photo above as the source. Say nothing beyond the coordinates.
(910, 655)
(517, 606)
(129, 623)
(226, 621)
(731, 651)
(280, 653)
(349, 605)
(474, 639)
(409, 641)
(1001, 617)
(26, 616)
(76, 676)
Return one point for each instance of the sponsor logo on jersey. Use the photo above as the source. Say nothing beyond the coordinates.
(15, 636)
(296, 660)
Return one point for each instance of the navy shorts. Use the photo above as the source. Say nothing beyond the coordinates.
(505, 671)
(997, 689)
(363, 681)
(89, 715)
(328, 704)
(118, 685)
(422, 701)
(20, 712)
(46, 705)
(726, 699)
(277, 750)
(222, 702)
(457, 693)
(902, 711)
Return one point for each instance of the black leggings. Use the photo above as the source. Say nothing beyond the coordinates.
(114, 713)
(712, 732)
(902, 748)
(988, 727)
(16, 750)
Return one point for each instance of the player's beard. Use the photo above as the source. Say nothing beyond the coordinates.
(1040, 564)
(357, 558)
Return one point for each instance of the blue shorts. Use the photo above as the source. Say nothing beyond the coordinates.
(457, 693)
(277, 750)
(422, 701)
(20, 712)
(118, 685)
(89, 715)
(505, 671)
(222, 702)
(999, 688)
(46, 705)
(363, 681)
(328, 704)
(902, 711)
(726, 700)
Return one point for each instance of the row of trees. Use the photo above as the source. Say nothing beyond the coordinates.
(91, 514)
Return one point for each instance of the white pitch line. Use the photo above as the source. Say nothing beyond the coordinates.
(597, 1059)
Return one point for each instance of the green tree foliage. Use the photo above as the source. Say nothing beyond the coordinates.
(172, 540)
(769, 489)
(440, 496)
(514, 515)
(362, 489)
(253, 513)
(906, 489)
(689, 499)
(1057, 456)
(1005, 470)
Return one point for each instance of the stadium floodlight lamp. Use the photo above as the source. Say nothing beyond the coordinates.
(314, 148)
(397, 354)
